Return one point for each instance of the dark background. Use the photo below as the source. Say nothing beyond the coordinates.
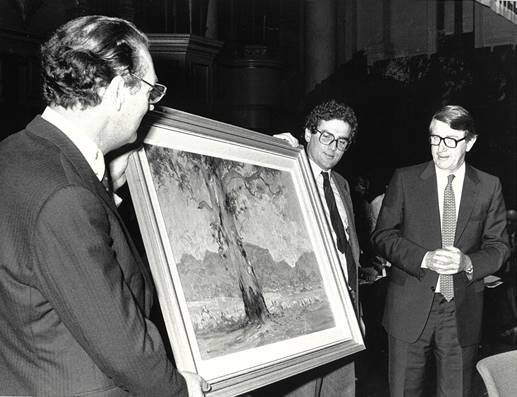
(262, 64)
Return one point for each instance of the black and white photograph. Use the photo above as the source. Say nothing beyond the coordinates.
(258, 198)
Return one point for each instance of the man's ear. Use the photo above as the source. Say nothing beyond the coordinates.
(308, 135)
(116, 92)
(471, 142)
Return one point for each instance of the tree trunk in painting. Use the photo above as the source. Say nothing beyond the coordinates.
(230, 242)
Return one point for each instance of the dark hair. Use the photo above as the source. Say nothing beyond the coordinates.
(331, 110)
(458, 118)
(85, 54)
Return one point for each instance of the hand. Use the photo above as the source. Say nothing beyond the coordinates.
(379, 263)
(196, 385)
(287, 136)
(448, 260)
(368, 273)
(118, 168)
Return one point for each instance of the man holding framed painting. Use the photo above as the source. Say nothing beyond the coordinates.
(329, 131)
(75, 295)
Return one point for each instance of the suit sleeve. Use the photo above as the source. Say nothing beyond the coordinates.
(78, 272)
(494, 247)
(388, 239)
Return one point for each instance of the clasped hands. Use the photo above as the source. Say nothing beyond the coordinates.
(448, 260)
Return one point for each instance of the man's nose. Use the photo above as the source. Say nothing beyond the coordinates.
(442, 147)
(333, 144)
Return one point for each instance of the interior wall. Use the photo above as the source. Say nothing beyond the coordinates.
(39, 18)
(400, 37)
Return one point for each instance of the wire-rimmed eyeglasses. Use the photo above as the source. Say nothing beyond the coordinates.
(157, 93)
(435, 140)
(328, 139)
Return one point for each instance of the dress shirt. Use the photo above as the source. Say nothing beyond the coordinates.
(457, 186)
(316, 170)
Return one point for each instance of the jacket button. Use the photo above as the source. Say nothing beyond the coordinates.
(433, 288)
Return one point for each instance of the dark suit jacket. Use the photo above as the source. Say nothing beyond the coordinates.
(74, 293)
(409, 226)
(344, 191)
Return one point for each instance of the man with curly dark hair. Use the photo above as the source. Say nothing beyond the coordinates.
(75, 296)
(329, 130)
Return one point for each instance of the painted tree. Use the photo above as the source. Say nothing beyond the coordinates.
(226, 183)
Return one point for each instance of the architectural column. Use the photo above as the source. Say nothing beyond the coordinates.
(185, 63)
(320, 41)
(211, 20)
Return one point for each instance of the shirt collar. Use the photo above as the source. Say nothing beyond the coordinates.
(459, 174)
(316, 169)
(86, 146)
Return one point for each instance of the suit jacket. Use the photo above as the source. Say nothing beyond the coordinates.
(74, 294)
(344, 192)
(409, 225)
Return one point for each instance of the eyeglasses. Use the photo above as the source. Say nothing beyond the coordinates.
(435, 140)
(328, 139)
(157, 93)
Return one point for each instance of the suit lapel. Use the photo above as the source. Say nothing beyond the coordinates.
(347, 202)
(469, 197)
(47, 131)
(429, 207)
(352, 237)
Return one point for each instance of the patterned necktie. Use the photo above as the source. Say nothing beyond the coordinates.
(448, 232)
(341, 241)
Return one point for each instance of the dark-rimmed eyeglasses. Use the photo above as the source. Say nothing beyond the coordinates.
(328, 139)
(157, 92)
(435, 140)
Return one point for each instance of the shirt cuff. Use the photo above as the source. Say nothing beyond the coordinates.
(423, 265)
(469, 270)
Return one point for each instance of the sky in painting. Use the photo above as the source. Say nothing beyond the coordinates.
(272, 222)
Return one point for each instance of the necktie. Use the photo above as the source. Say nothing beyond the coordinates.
(108, 186)
(341, 241)
(448, 232)
(106, 182)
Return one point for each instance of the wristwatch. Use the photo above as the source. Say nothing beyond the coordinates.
(469, 269)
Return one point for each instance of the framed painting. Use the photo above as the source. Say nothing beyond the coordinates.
(247, 275)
